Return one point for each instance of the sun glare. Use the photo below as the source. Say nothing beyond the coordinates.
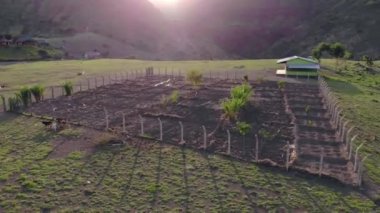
(165, 3)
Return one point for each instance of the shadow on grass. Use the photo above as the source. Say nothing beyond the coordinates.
(212, 170)
(128, 185)
(244, 186)
(158, 177)
(185, 179)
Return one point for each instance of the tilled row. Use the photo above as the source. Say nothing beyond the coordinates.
(319, 150)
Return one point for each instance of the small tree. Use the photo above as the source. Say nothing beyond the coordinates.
(337, 50)
(69, 88)
(368, 60)
(281, 85)
(195, 77)
(38, 92)
(25, 96)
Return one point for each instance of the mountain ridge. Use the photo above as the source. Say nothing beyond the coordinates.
(214, 29)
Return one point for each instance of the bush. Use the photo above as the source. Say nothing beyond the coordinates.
(242, 92)
(243, 128)
(69, 88)
(26, 96)
(174, 97)
(195, 77)
(15, 103)
(231, 108)
(38, 92)
(281, 85)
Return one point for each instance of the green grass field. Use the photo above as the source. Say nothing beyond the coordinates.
(55, 72)
(148, 178)
(164, 178)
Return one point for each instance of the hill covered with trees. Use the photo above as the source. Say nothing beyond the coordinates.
(213, 29)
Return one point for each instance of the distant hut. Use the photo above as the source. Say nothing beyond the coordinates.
(92, 54)
(5, 40)
(26, 41)
(299, 66)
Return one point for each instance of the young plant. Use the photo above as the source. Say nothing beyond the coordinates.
(26, 96)
(244, 128)
(38, 92)
(242, 92)
(68, 87)
(231, 108)
(307, 109)
(15, 103)
(281, 85)
(3, 101)
(195, 77)
(174, 97)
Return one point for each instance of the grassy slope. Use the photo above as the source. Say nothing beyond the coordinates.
(159, 178)
(359, 94)
(54, 72)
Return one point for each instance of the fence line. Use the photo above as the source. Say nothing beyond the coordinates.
(345, 131)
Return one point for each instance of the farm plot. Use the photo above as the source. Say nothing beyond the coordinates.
(198, 110)
(316, 136)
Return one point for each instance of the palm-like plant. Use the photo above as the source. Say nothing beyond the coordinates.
(15, 103)
(25, 95)
(68, 87)
(38, 92)
(242, 92)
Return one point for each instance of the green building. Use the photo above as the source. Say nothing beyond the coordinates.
(299, 66)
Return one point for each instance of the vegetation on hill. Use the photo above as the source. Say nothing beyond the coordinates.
(206, 29)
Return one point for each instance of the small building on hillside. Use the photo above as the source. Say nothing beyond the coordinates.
(92, 54)
(5, 40)
(25, 41)
(299, 66)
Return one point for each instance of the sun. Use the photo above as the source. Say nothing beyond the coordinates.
(165, 3)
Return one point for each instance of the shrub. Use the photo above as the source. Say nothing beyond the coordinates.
(69, 88)
(26, 96)
(231, 108)
(368, 60)
(243, 128)
(281, 85)
(174, 97)
(38, 92)
(15, 103)
(195, 77)
(242, 92)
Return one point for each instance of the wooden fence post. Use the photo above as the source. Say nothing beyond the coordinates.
(287, 155)
(182, 141)
(52, 93)
(351, 143)
(161, 131)
(356, 156)
(257, 148)
(321, 163)
(106, 118)
(141, 125)
(204, 137)
(228, 142)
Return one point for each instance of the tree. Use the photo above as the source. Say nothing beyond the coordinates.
(244, 128)
(320, 49)
(368, 60)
